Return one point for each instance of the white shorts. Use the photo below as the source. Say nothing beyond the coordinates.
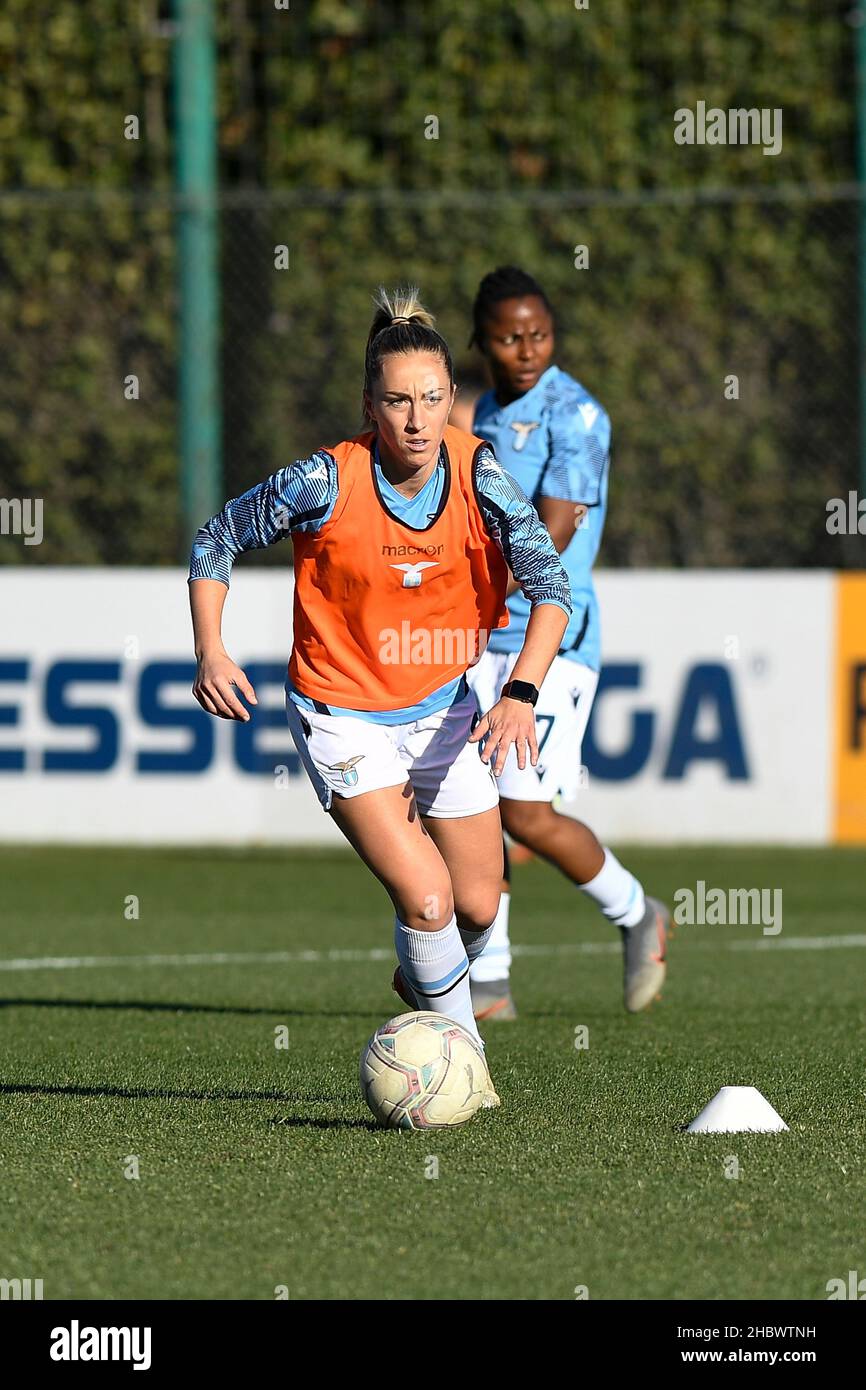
(346, 756)
(561, 715)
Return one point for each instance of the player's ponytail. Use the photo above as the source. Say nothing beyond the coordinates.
(401, 324)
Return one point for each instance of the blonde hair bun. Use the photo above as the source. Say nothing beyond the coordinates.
(401, 306)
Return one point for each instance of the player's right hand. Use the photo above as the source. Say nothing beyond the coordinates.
(214, 687)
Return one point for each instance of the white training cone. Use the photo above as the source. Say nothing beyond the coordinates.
(735, 1109)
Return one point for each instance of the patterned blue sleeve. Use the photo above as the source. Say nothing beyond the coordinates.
(579, 435)
(298, 498)
(523, 539)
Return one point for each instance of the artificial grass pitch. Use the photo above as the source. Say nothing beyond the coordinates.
(260, 1171)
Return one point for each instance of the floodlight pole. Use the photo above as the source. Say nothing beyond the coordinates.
(194, 82)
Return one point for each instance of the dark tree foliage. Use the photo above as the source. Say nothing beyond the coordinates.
(555, 131)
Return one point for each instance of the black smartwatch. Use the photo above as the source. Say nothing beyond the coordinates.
(521, 690)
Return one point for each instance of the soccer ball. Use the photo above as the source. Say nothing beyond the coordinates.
(423, 1071)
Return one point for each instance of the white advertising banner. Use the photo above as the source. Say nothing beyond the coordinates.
(712, 720)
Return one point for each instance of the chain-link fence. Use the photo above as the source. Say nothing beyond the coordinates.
(719, 329)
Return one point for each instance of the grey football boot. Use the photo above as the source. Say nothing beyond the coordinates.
(491, 1000)
(644, 948)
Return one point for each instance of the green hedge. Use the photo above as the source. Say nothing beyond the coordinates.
(541, 107)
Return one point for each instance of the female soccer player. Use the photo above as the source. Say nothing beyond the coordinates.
(553, 437)
(403, 538)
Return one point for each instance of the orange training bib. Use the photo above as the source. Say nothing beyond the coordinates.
(385, 613)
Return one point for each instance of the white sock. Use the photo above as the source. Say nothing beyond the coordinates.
(617, 892)
(495, 963)
(474, 943)
(436, 969)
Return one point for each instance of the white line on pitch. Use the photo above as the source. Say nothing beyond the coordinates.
(574, 948)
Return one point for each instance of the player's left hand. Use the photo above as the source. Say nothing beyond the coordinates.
(509, 723)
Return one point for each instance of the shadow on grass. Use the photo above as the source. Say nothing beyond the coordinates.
(155, 1006)
(148, 1093)
(216, 1093)
(300, 1122)
(159, 1093)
